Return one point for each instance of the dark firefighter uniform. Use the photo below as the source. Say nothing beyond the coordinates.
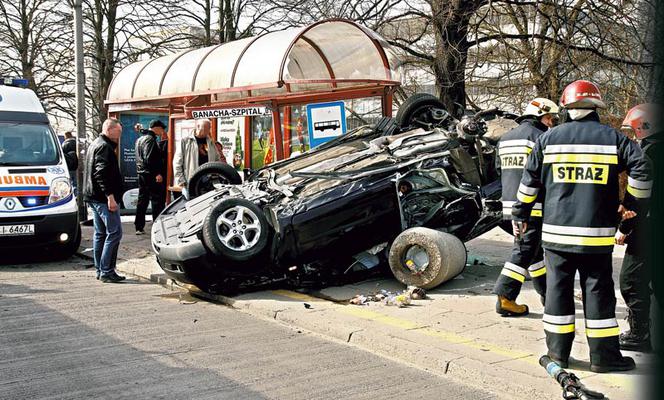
(527, 256)
(577, 164)
(636, 273)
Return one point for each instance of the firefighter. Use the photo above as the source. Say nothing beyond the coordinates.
(576, 165)
(636, 274)
(527, 256)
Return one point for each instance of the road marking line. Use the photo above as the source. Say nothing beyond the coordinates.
(623, 383)
(296, 296)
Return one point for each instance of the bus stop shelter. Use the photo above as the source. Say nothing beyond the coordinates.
(267, 96)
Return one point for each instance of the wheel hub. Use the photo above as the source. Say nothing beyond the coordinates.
(238, 228)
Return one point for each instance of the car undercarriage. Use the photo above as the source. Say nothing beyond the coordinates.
(404, 193)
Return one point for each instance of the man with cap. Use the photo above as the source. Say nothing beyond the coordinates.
(149, 167)
(527, 256)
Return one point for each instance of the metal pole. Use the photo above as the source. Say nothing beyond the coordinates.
(80, 107)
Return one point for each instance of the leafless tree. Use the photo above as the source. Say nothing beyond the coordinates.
(541, 45)
(211, 22)
(35, 44)
(118, 32)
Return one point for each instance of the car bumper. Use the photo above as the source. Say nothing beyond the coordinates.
(48, 229)
(184, 262)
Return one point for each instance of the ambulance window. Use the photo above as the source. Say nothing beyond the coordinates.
(27, 144)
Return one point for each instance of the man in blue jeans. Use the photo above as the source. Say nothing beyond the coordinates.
(102, 190)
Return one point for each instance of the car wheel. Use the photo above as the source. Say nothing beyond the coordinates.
(210, 176)
(426, 258)
(421, 110)
(236, 229)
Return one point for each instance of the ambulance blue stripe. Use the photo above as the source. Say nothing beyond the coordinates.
(56, 204)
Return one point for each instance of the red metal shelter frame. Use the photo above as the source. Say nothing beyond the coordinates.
(180, 105)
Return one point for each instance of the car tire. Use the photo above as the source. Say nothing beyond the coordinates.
(245, 242)
(426, 258)
(414, 106)
(207, 175)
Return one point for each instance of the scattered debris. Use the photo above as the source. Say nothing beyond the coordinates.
(416, 293)
(358, 300)
(402, 299)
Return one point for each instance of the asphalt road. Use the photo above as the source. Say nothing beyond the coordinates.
(65, 335)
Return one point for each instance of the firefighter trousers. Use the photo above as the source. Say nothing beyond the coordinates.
(527, 258)
(635, 277)
(599, 305)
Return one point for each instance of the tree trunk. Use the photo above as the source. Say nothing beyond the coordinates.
(450, 20)
(207, 25)
(230, 25)
(27, 64)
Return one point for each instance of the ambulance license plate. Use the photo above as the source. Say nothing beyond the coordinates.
(16, 230)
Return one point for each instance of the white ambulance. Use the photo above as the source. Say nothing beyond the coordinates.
(38, 210)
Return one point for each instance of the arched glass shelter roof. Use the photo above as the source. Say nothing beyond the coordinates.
(327, 54)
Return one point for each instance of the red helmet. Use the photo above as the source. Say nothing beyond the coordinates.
(643, 120)
(582, 94)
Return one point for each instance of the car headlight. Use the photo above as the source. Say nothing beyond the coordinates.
(60, 189)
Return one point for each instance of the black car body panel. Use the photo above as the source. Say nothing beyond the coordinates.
(339, 199)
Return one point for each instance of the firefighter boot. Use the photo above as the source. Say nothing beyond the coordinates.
(509, 308)
(623, 364)
(637, 338)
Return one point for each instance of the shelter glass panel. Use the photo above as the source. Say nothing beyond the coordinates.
(179, 77)
(216, 70)
(262, 142)
(366, 61)
(261, 62)
(304, 62)
(149, 80)
(123, 83)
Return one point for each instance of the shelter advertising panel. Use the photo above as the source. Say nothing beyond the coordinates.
(230, 134)
(127, 154)
(326, 121)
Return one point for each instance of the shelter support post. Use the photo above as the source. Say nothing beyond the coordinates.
(287, 131)
(387, 103)
(169, 164)
(247, 143)
(278, 136)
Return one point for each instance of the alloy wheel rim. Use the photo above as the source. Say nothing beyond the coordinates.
(238, 228)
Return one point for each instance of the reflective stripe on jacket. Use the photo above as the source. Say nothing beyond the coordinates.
(576, 165)
(513, 150)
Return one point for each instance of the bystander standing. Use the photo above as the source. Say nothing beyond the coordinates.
(102, 189)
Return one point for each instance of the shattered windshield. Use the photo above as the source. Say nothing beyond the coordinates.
(23, 144)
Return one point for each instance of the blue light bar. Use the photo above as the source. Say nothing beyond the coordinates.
(32, 201)
(18, 82)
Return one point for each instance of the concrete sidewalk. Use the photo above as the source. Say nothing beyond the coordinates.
(455, 332)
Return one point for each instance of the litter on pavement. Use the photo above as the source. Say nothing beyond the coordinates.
(388, 298)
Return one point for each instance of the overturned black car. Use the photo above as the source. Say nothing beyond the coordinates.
(410, 190)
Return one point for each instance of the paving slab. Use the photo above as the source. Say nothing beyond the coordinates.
(455, 332)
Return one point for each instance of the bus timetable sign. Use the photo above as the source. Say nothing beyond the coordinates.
(231, 112)
(325, 121)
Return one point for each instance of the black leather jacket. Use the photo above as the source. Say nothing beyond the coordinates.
(148, 155)
(102, 175)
